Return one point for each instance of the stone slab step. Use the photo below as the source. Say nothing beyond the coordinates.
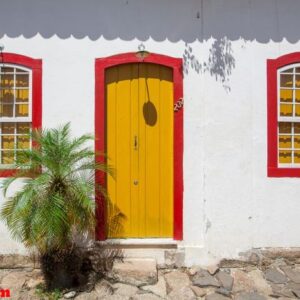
(135, 271)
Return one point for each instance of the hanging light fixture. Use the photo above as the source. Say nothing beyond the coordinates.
(142, 53)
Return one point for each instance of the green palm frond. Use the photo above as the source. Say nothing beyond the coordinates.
(58, 190)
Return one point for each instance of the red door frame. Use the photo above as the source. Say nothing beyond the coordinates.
(36, 67)
(101, 64)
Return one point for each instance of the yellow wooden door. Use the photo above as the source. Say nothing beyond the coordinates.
(139, 141)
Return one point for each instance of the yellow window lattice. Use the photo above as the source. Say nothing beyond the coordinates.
(297, 96)
(289, 93)
(14, 92)
(285, 141)
(286, 110)
(22, 80)
(22, 95)
(297, 157)
(7, 80)
(14, 104)
(288, 143)
(14, 137)
(285, 157)
(297, 142)
(7, 157)
(286, 95)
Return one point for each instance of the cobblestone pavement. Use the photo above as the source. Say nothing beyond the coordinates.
(140, 279)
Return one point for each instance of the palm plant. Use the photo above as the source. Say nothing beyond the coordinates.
(56, 199)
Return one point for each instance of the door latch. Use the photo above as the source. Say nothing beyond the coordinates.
(135, 142)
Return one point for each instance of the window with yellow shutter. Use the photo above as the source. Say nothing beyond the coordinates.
(15, 112)
(283, 82)
(289, 116)
(20, 106)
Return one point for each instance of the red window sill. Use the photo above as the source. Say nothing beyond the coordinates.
(283, 172)
(7, 172)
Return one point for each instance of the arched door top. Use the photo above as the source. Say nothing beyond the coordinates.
(133, 57)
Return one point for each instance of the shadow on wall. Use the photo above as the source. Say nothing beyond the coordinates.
(175, 20)
(220, 63)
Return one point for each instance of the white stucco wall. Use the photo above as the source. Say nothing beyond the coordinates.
(230, 205)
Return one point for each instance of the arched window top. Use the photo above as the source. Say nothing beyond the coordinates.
(290, 69)
(15, 93)
(10, 68)
(20, 60)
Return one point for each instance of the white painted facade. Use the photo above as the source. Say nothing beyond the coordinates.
(230, 205)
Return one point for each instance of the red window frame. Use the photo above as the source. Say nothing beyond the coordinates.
(272, 81)
(101, 64)
(36, 66)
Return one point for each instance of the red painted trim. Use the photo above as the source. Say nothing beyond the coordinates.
(101, 64)
(36, 66)
(272, 66)
(100, 121)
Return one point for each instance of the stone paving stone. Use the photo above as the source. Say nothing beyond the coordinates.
(260, 283)
(199, 292)
(87, 296)
(145, 297)
(215, 296)
(33, 282)
(297, 292)
(242, 282)
(4, 272)
(25, 295)
(254, 258)
(212, 270)
(250, 296)
(70, 295)
(223, 291)
(203, 279)
(174, 258)
(103, 289)
(159, 289)
(294, 287)
(275, 276)
(14, 280)
(14, 261)
(225, 279)
(280, 290)
(112, 297)
(176, 280)
(135, 271)
(292, 274)
(193, 270)
(184, 293)
(125, 289)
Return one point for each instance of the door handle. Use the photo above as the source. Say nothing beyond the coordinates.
(135, 142)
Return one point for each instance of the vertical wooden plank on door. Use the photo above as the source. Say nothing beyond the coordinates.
(166, 152)
(111, 78)
(142, 152)
(134, 151)
(152, 166)
(123, 164)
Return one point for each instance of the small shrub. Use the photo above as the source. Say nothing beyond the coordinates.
(56, 202)
(43, 294)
